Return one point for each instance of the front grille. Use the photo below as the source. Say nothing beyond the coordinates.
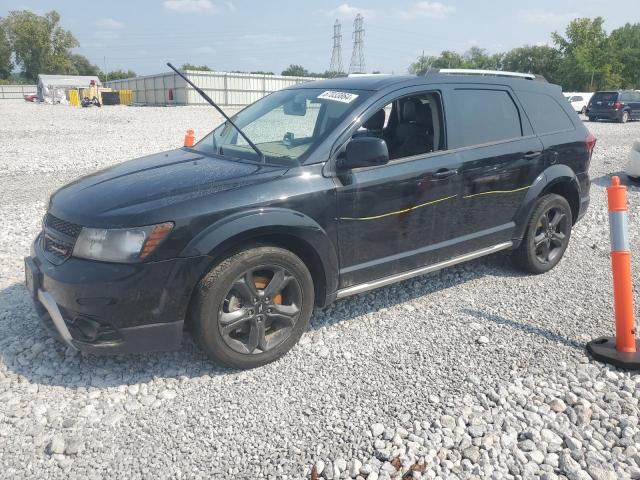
(70, 229)
(58, 248)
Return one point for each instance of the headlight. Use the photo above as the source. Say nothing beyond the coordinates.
(122, 245)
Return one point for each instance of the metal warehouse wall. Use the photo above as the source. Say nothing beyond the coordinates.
(236, 89)
(16, 91)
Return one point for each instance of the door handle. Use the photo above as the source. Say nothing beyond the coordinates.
(530, 155)
(445, 173)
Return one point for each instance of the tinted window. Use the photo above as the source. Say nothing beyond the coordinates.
(625, 97)
(605, 97)
(545, 113)
(636, 96)
(484, 116)
(576, 99)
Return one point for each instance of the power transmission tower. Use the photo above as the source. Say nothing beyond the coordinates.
(357, 57)
(336, 55)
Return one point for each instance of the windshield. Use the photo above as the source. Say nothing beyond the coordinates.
(285, 125)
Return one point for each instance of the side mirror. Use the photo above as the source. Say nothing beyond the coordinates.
(364, 152)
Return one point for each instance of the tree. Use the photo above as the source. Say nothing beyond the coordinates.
(586, 65)
(6, 66)
(190, 66)
(117, 75)
(422, 64)
(295, 71)
(542, 60)
(623, 45)
(82, 65)
(39, 44)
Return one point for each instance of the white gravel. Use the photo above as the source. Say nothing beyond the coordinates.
(474, 372)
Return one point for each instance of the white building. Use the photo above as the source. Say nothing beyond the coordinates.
(224, 88)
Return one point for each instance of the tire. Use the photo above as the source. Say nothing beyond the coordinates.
(260, 326)
(625, 117)
(583, 111)
(550, 233)
(592, 119)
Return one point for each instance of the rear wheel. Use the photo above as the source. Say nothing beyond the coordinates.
(592, 118)
(253, 307)
(546, 237)
(625, 117)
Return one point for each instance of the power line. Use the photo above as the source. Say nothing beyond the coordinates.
(357, 56)
(336, 54)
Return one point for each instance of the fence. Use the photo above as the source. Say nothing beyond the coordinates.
(232, 89)
(9, 92)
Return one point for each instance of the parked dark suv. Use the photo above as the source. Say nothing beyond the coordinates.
(345, 185)
(620, 105)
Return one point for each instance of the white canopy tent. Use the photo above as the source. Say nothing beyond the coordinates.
(51, 88)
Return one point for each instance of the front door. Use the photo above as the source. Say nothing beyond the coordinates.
(397, 217)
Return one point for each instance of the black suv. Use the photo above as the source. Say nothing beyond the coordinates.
(322, 191)
(620, 105)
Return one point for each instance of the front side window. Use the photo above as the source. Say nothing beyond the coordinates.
(483, 116)
(410, 125)
(285, 126)
(546, 115)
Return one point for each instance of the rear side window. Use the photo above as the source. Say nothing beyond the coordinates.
(625, 97)
(545, 113)
(484, 116)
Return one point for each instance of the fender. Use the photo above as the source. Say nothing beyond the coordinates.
(269, 221)
(548, 178)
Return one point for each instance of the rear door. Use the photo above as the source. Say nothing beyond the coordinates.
(501, 157)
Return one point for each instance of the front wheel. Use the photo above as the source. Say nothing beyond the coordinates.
(253, 307)
(592, 118)
(546, 237)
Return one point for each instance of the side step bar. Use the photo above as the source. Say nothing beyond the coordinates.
(363, 287)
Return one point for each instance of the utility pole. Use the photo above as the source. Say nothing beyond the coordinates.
(357, 57)
(106, 75)
(336, 55)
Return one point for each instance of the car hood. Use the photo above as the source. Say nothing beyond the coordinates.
(149, 183)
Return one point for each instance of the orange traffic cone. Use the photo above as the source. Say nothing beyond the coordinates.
(621, 351)
(189, 138)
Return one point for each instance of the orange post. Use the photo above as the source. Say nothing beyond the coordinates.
(622, 350)
(189, 138)
(621, 266)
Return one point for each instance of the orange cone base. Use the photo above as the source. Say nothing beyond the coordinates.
(604, 350)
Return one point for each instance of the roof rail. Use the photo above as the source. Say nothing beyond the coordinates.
(494, 73)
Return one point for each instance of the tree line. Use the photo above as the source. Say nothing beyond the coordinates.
(585, 58)
(36, 44)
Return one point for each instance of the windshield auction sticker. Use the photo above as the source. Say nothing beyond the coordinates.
(343, 97)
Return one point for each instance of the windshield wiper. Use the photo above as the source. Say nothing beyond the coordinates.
(213, 104)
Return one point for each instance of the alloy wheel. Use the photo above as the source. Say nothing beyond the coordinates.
(551, 234)
(260, 309)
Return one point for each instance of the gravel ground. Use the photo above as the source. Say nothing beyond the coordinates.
(474, 372)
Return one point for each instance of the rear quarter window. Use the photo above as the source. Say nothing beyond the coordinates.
(545, 113)
(484, 116)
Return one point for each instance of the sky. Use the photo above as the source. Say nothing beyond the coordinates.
(269, 35)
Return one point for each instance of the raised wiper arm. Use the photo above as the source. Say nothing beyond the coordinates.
(214, 105)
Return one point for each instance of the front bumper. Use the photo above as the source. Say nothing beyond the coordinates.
(107, 308)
